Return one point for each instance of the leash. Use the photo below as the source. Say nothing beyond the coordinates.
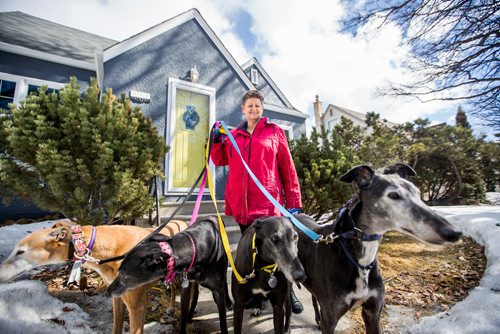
(159, 228)
(311, 234)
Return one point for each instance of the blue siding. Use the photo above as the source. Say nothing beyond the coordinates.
(41, 69)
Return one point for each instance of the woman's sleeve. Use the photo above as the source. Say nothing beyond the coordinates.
(288, 173)
(218, 153)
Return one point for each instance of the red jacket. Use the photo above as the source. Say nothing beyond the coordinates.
(267, 154)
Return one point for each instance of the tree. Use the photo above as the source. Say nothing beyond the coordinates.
(90, 160)
(320, 160)
(447, 161)
(461, 118)
(454, 47)
(383, 146)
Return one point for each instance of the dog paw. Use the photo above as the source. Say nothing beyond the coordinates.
(256, 312)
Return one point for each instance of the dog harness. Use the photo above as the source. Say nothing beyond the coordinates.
(271, 268)
(355, 233)
(170, 274)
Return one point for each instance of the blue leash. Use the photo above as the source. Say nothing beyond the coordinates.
(311, 234)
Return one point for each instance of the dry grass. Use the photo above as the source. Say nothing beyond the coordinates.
(427, 279)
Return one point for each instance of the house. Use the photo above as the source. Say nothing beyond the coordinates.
(333, 114)
(178, 72)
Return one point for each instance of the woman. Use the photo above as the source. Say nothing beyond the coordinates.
(264, 147)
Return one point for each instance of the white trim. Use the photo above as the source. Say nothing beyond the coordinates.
(22, 85)
(173, 85)
(282, 110)
(99, 68)
(286, 128)
(172, 23)
(23, 51)
(266, 76)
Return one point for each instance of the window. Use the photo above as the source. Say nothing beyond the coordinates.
(254, 76)
(34, 89)
(15, 88)
(288, 131)
(7, 90)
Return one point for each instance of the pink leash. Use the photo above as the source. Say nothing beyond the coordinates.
(198, 200)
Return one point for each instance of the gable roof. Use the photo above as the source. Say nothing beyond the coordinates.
(253, 61)
(146, 35)
(358, 115)
(28, 35)
(269, 106)
(351, 113)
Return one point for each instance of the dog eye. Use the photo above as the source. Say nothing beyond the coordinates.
(275, 238)
(19, 252)
(295, 237)
(394, 195)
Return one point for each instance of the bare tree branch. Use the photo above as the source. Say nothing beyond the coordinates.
(455, 48)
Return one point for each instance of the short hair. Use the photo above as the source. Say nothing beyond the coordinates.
(252, 93)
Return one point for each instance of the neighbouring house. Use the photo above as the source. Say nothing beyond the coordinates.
(179, 73)
(333, 114)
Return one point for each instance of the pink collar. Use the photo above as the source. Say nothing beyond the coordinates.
(167, 249)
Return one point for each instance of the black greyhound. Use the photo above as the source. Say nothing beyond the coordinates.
(197, 254)
(343, 273)
(268, 250)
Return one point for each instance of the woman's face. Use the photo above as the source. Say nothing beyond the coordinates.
(252, 109)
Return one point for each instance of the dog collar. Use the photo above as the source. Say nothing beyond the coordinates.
(170, 274)
(271, 268)
(78, 242)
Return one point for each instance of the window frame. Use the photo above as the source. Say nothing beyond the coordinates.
(22, 83)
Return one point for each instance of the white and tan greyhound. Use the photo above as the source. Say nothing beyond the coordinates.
(54, 245)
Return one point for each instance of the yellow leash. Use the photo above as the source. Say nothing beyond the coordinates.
(225, 241)
(223, 233)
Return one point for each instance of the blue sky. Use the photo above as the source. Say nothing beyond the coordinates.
(297, 42)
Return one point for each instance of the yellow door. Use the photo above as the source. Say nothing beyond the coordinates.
(192, 111)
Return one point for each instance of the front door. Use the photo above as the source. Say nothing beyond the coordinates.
(191, 112)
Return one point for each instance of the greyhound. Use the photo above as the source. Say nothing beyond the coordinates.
(343, 272)
(196, 253)
(53, 246)
(267, 255)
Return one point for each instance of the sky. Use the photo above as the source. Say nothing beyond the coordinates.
(297, 42)
(27, 308)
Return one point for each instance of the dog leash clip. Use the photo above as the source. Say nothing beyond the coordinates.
(328, 239)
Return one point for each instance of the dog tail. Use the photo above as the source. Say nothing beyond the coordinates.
(173, 227)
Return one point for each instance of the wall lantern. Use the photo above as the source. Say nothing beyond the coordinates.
(194, 75)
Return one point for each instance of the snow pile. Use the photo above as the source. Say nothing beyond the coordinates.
(479, 312)
(26, 307)
(493, 198)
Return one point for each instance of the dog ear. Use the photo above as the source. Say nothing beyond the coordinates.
(156, 259)
(61, 223)
(403, 170)
(59, 235)
(362, 174)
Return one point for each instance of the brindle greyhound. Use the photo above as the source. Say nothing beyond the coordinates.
(274, 243)
(197, 253)
(52, 246)
(344, 273)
